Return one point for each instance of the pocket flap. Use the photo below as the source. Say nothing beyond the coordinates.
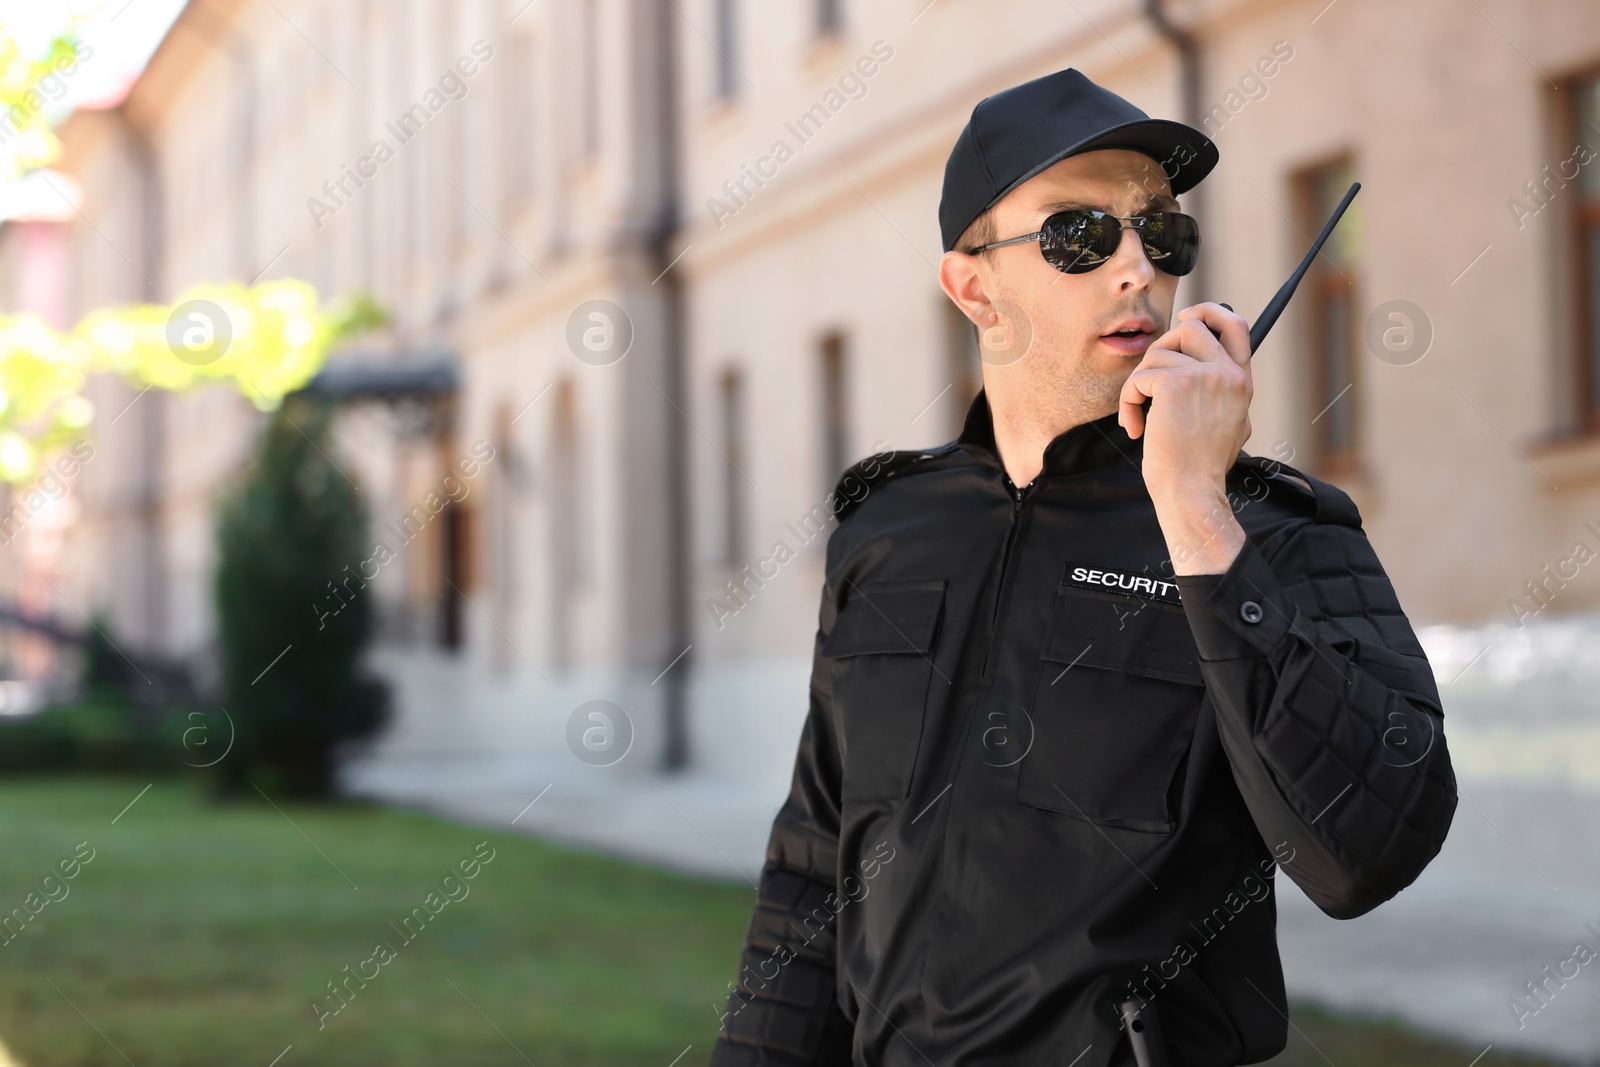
(887, 617)
(1113, 631)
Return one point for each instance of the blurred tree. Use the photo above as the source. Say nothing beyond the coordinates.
(30, 143)
(265, 340)
(292, 620)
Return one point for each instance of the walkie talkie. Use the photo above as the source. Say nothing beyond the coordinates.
(1280, 300)
(1144, 1031)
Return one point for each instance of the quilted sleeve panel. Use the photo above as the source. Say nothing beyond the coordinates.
(783, 1008)
(1329, 713)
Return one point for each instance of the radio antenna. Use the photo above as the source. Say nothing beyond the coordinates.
(1269, 315)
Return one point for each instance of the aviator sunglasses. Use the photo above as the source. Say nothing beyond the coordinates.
(1078, 240)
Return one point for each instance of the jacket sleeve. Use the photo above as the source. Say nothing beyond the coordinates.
(784, 1007)
(1328, 711)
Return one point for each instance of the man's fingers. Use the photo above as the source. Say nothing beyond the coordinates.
(1223, 326)
(1130, 417)
(1130, 406)
(1157, 356)
(1191, 337)
(1208, 332)
(1140, 385)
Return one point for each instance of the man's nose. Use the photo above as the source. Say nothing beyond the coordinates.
(1131, 264)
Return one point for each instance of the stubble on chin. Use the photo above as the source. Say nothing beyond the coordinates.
(1074, 387)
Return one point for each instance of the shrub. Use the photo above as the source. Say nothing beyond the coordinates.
(291, 677)
(101, 736)
(103, 729)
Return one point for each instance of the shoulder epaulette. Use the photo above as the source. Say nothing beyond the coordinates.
(1332, 503)
(863, 476)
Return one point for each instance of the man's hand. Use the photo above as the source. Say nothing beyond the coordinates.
(1200, 390)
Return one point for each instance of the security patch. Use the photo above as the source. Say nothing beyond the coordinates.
(1146, 585)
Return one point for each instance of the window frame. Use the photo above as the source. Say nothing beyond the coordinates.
(1324, 284)
(1582, 225)
(733, 403)
(827, 18)
(833, 406)
(725, 82)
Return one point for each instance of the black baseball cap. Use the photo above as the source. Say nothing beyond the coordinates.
(1017, 133)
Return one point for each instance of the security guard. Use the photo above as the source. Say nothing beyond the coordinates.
(1087, 675)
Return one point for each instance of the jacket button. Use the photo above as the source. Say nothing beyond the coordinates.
(1251, 612)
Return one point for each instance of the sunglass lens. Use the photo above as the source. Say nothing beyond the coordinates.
(1078, 241)
(1172, 241)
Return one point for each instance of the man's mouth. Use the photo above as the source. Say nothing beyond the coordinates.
(1130, 337)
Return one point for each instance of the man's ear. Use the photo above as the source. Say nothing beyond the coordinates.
(961, 281)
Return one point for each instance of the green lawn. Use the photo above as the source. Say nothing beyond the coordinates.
(199, 935)
(1318, 1039)
(202, 935)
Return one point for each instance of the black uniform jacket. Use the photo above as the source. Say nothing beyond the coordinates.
(1040, 774)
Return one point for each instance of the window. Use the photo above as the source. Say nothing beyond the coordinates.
(518, 109)
(589, 53)
(413, 213)
(1586, 251)
(727, 49)
(733, 453)
(500, 541)
(963, 366)
(1333, 389)
(835, 433)
(459, 169)
(241, 167)
(830, 16)
(458, 548)
(567, 562)
(457, 568)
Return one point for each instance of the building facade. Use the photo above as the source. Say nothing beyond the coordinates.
(675, 261)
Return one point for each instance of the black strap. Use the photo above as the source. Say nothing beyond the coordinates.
(1332, 503)
(865, 474)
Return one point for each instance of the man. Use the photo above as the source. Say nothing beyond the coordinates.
(1088, 674)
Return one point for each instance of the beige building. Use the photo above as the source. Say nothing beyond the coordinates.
(749, 192)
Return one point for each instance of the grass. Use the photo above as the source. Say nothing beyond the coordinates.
(200, 934)
(1319, 1038)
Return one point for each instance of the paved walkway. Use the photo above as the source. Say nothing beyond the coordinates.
(1513, 891)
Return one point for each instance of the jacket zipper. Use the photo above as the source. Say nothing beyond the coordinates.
(1005, 563)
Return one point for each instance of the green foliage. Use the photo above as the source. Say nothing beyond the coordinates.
(1320, 1037)
(103, 736)
(42, 375)
(31, 143)
(103, 730)
(265, 340)
(270, 339)
(292, 681)
(104, 671)
(277, 337)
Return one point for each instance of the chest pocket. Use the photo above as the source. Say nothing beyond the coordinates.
(1114, 712)
(882, 647)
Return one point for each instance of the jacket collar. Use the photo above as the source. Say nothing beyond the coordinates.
(1086, 447)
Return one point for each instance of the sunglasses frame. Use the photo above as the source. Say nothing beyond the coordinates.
(1136, 223)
